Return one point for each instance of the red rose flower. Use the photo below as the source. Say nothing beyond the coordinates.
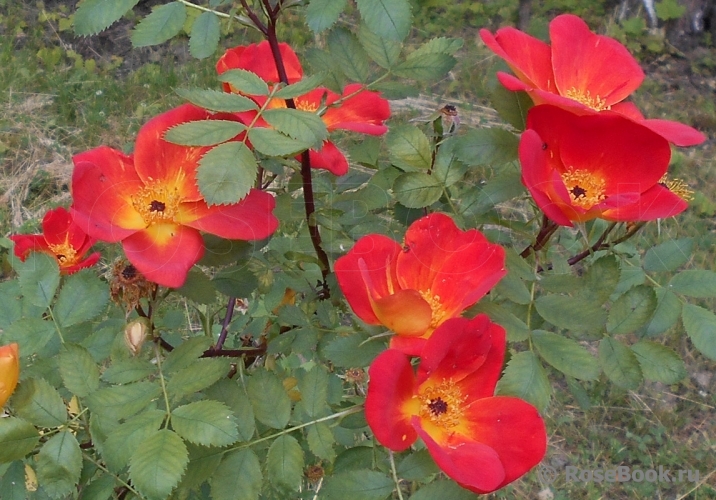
(151, 203)
(62, 238)
(581, 71)
(605, 166)
(436, 274)
(480, 440)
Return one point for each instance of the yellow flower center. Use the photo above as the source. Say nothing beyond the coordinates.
(585, 188)
(442, 404)
(436, 306)
(596, 102)
(157, 203)
(65, 254)
(311, 107)
(678, 187)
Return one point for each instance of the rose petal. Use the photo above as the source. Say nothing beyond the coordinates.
(528, 57)
(330, 158)
(405, 312)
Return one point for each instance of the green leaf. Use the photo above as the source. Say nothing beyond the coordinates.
(12, 483)
(236, 281)
(272, 406)
(273, 143)
(216, 100)
(658, 362)
(284, 463)
(228, 392)
(100, 488)
(203, 461)
(322, 14)
(697, 283)
(669, 9)
(18, 437)
(666, 314)
(59, 464)
(221, 251)
(425, 66)
(487, 146)
(204, 132)
(301, 87)
(226, 173)
(619, 363)
(505, 186)
(348, 54)
(82, 298)
(31, 335)
(417, 189)
(163, 23)
(128, 370)
(297, 124)
(37, 401)
(440, 45)
(208, 423)
(199, 375)
(409, 148)
(157, 466)
(700, 325)
(205, 33)
(320, 441)
(238, 477)
(578, 393)
(447, 168)
(185, 354)
(198, 287)
(357, 485)
(566, 355)
(351, 351)
(417, 466)
(122, 441)
(526, 379)
(123, 401)
(39, 277)
(383, 51)
(78, 370)
(246, 82)
(572, 313)
(601, 280)
(314, 392)
(513, 288)
(444, 490)
(517, 330)
(511, 106)
(389, 19)
(93, 16)
(669, 255)
(631, 310)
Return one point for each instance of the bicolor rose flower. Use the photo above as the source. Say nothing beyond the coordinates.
(150, 201)
(257, 58)
(412, 288)
(605, 166)
(9, 371)
(581, 71)
(62, 238)
(480, 440)
(355, 109)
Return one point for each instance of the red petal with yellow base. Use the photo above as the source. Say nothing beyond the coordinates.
(258, 58)
(9, 371)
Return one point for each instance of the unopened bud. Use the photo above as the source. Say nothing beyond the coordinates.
(9, 371)
(135, 333)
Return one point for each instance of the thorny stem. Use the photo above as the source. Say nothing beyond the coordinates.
(308, 198)
(57, 326)
(116, 478)
(225, 325)
(545, 233)
(254, 18)
(158, 354)
(395, 474)
(598, 245)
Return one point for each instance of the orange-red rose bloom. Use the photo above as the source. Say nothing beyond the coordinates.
(151, 203)
(412, 288)
(480, 440)
(9, 371)
(605, 166)
(62, 238)
(360, 110)
(581, 71)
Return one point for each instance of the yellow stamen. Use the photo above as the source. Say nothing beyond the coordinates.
(596, 102)
(442, 404)
(678, 187)
(436, 306)
(585, 188)
(157, 203)
(311, 107)
(64, 252)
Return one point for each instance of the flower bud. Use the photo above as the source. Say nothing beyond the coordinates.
(9, 371)
(135, 333)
